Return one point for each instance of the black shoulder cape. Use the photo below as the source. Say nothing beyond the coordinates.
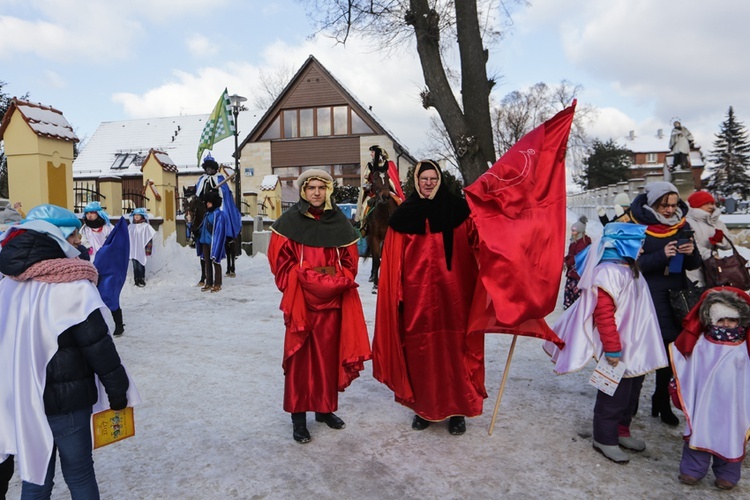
(445, 212)
(333, 229)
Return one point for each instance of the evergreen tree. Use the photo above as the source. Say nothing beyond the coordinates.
(607, 164)
(731, 158)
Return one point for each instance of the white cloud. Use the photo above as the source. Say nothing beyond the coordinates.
(390, 85)
(201, 46)
(81, 31)
(54, 80)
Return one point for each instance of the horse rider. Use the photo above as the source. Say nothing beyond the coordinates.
(212, 180)
(380, 165)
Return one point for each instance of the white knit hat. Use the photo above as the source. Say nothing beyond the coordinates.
(720, 311)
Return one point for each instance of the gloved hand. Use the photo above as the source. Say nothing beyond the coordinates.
(601, 211)
(118, 404)
(619, 210)
(717, 237)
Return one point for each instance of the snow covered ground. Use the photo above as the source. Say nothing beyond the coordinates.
(211, 426)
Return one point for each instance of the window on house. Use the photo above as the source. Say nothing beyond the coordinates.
(273, 131)
(290, 124)
(340, 120)
(651, 157)
(359, 126)
(306, 128)
(121, 161)
(324, 121)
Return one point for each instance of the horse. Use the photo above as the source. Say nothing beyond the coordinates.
(376, 221)
(194, 209)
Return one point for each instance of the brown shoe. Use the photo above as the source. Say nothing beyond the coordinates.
(215, 288)
(689, 480)
(723, 484)
(201, 283)
(206, 288)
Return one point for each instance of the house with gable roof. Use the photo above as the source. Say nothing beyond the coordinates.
(316, 123)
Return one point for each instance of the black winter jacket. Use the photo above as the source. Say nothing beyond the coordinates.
(83, 350)
(653, 263)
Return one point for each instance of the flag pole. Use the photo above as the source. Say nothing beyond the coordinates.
(502, 383)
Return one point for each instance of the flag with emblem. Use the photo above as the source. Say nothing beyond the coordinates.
(220, 125)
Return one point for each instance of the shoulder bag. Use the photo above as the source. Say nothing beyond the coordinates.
(727, 271)
(682, 301)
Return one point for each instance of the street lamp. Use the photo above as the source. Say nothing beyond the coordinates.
(236, 102)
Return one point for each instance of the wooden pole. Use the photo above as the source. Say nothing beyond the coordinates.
(502, 384)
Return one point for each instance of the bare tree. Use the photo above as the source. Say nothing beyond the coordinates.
(271, 84)
(522, 110)
(438, 26)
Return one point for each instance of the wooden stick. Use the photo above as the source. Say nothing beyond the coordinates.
(502, 383)
(226, 179)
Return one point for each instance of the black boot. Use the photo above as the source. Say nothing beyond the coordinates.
(299, 428)
(119, 325)
(660, 403)
(330, 419)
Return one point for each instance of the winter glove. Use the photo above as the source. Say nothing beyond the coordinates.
(717, 237)
(119, 403)
(619, 210)
(601, 211)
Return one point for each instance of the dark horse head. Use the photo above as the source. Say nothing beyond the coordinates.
(194, 209)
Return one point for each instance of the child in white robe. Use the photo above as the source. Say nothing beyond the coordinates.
(141, 241)
(711, 363)
(614, 318)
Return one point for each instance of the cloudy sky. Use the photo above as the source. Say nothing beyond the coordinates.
(641, 62)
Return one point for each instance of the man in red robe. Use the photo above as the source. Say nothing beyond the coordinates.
(313, 256)
(422, 348)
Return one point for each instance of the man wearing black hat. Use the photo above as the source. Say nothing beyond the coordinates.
(380, 165)
(313, 256)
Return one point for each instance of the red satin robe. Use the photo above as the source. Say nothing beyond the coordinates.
(326, 342)
(422, 349)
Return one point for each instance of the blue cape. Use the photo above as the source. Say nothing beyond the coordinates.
(112, 261)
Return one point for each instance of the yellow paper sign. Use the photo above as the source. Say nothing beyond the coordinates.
(110, 426)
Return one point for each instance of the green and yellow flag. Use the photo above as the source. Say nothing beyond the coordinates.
(220, 125)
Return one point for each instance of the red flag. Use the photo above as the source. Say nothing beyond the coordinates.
(518, 206)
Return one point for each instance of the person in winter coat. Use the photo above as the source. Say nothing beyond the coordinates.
(141, 241)
(703, 217)
(54, 345)
(211, 241)
(615, 318)
(711, 362)
(313, 257)
(578, 241)
(666, 257)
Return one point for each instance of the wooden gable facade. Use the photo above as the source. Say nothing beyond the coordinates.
(315, 123)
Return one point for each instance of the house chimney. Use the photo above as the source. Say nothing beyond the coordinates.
(660, 133)
(631, 135)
